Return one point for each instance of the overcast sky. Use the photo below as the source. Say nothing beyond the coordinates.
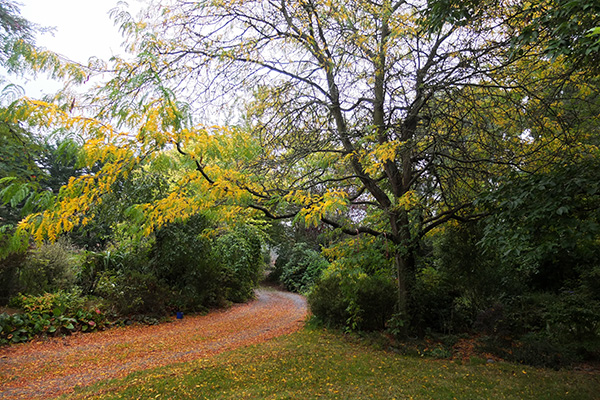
(83, 29)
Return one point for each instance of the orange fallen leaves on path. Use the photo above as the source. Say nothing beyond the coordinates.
(46, 369)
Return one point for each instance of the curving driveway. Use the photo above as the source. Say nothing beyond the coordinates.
(45, 369)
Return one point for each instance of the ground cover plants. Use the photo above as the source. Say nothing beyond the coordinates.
(53, 314)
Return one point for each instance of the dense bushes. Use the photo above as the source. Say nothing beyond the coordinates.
(465, 287)
(327, 301)
(186, 266)
(462, 287)
(183, 269)
(240, 258)
(48, 268)
(357, 290)
(355, 301)
(543, 329)
(299, 267)
(9, 275)
(183, 260)
(133, 293)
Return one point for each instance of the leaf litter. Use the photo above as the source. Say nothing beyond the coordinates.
(47, 368)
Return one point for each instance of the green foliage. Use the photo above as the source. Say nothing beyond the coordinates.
(539, 351)
(32, 170)
(182, 268)
(93, 264)
(123, 276)
(48, 267)
(574, 317)
(16, 328)
(9, 275)
(433, 306)
(205, 272)
(457, 279)
(50, 314)
(374, 304)
(355, 301)
(182, 258)
(133, 294)
(239, 253)
(14, 29)
(371, 255)
(19, 171)
(542, 300)
(458, 13)
(116, 218)
(547, 225)
(543, 329)
(48, 302)
(60, 160)
(465, 265)
(283, 239)
(356, 290)
(327, 301)
(562, 27)
(301, 268)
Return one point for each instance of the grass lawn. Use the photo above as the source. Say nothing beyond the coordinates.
(314, 364)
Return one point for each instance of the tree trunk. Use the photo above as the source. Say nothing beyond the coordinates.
(404, 260)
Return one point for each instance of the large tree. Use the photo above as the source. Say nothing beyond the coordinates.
(369, 116)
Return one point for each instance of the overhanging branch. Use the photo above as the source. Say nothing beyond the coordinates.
(353, 232)
(199, 166)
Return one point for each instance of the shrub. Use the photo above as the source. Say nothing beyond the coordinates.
(432, 303)
(9, 275)
(574, 316)
(543, 329)
(239, 253)
(92, 266)
(48, 268)
(540, 351)
(303, 267)
(16, 328)
(133, 293)
(327, 301)
(375, 297)
(354, 301)
(283, 252)
(182, 258)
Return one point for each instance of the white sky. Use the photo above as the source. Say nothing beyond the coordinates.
(83, 29)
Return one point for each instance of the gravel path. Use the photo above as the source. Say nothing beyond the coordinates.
(46, 369)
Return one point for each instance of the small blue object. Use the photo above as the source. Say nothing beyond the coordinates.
(179, 315)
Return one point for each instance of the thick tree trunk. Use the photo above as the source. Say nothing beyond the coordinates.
(404, 260)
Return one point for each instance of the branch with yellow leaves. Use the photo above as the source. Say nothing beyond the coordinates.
(199, 166)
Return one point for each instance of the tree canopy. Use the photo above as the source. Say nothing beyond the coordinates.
(383, 118)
